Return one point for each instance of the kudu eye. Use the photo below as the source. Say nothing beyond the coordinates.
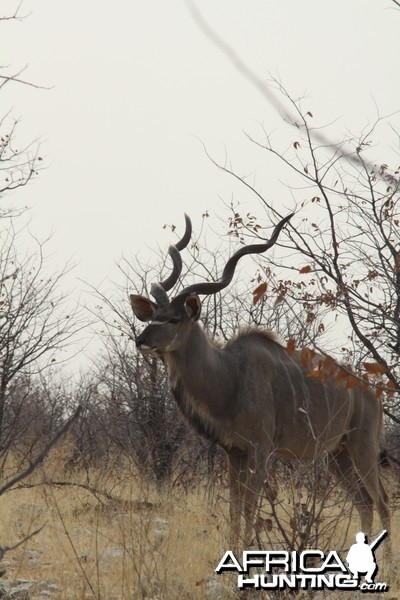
(174, 320)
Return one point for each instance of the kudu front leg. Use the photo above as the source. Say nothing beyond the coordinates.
(245, 484)
(237, 461)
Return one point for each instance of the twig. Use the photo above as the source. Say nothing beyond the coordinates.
(4, 549)
(89, 488)
(10, 276)
(74, 549)
(15, 16)
(42, 455)
(16, 79)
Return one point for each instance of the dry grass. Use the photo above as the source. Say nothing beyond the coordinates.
(142, 544)
(139, 545)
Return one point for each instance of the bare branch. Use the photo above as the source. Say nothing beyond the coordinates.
(42, 455)
(4, 549)
(15, 16)
(265, 89)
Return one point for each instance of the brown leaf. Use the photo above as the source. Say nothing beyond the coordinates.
(259, 292)
(375, 368)
(305, 269)
(290, 347)
(351, 382)
(268, 524)
(327, 366)
(306, 357)
(315, 374)
(341, 376)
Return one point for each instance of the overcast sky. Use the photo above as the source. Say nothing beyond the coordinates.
(135, 85)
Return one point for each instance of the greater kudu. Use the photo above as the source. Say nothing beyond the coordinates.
(253, 398)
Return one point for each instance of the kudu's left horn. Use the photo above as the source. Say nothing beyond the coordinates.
(159, 290)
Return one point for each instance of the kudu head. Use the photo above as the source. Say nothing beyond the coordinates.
(171, 321)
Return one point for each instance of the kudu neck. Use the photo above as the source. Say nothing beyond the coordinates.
(199, 365)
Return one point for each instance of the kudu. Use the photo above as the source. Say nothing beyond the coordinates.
(253, 398)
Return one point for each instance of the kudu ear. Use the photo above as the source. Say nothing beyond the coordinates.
(142, 307)
(193, 307)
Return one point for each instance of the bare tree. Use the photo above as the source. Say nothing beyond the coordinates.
(37, 319)
(346, 276)
(19, 162)
(18, 165)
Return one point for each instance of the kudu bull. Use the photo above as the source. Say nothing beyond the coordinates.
(254, 399)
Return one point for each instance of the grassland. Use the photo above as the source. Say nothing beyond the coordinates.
(107, 535)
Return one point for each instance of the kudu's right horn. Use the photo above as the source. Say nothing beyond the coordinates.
(206, 288)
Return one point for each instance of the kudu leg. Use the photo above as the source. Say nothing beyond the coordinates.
(364, 455)
(341, 466)
(366, 488)
(237, 464)
(245, 486)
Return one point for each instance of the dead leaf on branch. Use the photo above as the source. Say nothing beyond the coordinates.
(259, 292)
(343, 375)
(307, 357)
(351, 382)
(290, 347)
(375, 368)
(390, 389)
(305, 269)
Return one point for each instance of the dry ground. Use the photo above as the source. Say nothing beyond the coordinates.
(140, 544)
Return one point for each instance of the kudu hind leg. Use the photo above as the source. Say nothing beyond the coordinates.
(365, 460)
(341, 466)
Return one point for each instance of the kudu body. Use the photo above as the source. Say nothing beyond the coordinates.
(254, 399)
